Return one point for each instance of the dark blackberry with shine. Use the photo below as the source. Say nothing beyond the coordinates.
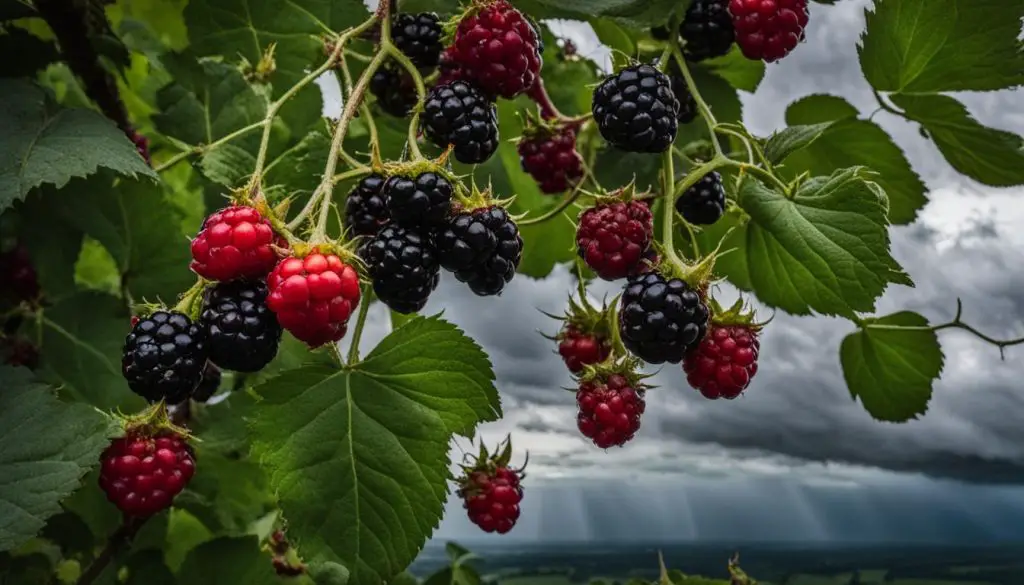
(423, 200)
(661, 319)
(242, 332)
(366, 209)
(636, 111)
(164, 356)
(483, 248)
(418, 36)
(458, 114)
(394, 89)
(704, 202)
(403, 266)
(707, 30)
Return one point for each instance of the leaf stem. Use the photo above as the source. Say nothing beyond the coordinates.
(668, 216)
(956, 323)
(558, 209)
(357, 333)
(204, 147)
(702, 106)
(421, 90)
(121, 538)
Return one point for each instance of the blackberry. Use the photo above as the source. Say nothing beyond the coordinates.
(707, 30)
(242, 332)
(366, 209)
(164, 356)
(458, 114)
(418, 36)
(209, 385)
(687, 105)
(421, 201)
(661, 320)
(394, 89)
(704, 202)
(403, 266)
(636, 111)
(483, 248)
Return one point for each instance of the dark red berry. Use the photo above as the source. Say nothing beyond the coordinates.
(724, 363)
(612, 238)
(498, 48)
(419, 37)
(552, 160)
(142, 475)
(142, 145)
(707, 30)
(448, 68)
(18, 279)
(661, 319)
(768, 30)
(609, 410)
(164, 356)
(366, 209)
(579, 349)
(235, 242)
(314, 297)
(492, 498)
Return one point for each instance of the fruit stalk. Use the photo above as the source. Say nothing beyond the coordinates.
(357, 333)
(120, 539)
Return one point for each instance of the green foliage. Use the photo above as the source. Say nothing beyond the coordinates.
(358, 457)
(892, 370)
(46, 448)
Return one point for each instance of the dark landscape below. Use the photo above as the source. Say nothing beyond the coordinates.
(788, 564)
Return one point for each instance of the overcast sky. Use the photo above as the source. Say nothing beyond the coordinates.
(794, 458)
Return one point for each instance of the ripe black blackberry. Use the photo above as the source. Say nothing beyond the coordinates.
(422, 201)
(661, 320)
(209, 385)
(403, 266)
(707, 30)
(457, 113)
(636, 111)
(394, 89)
(704, 202)
(482, 247)
(687, 105)
(419, 37)
(164, 356)
(242, 332)
(366, 209)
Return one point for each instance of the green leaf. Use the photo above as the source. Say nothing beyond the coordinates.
(850, 142)
(635, 13)
(545, 244)
(740, 72)
(228, 165)
(785, 142)
(46, 446)
(613, 36)
(826, 249)
(140, 229)
(991, 157)
(943, 45)
(54, 256)
(43, 143)
(359, 456)
(82, 338)
(228, 560)
(891, 370)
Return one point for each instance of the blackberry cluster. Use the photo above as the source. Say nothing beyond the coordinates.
(243, 334)
(418, 36)
(482, 247)
(636, 110)
(420, 201)
(457, 114)
(164, 357)
(704, 202)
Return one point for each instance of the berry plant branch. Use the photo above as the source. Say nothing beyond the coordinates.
(118, 541)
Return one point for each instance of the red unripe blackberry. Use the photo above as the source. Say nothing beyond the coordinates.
(235, 242)
(552, 160)
(612, 238)
(492, 499)
(314, 297)
(724, 363)
(418, 36)
(609, 411)
(18, 279)
(448, 68)
(768, 30)
(142, 475)
(498, 48)
(579, 349)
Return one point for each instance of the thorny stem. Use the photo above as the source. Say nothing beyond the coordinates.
(956, 323)
(120, 539)
(743, 139)
(357, 333)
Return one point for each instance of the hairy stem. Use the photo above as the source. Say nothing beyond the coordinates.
(557, 210)
(205, 147)
(357, 333)
(421, 91)
(702, 106)
(668, 179)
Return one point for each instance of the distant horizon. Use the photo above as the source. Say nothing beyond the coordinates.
(492, 544)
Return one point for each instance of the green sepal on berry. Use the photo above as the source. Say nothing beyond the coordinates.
(488, 462)
(189, 303)
(623, 194)
(618, 364)
(344, 249)
(586, 318)
(468, 200)
(740, 313)
(152, 421)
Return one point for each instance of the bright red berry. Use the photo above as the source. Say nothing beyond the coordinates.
(724, 363)
(18, 278)
(313, 297)
(609, 411)
(579, 349)
(235, 242)
(498, 49)
(141, 475)
(492, 498)
(552, 160)
(768, 30)
(613, 238)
